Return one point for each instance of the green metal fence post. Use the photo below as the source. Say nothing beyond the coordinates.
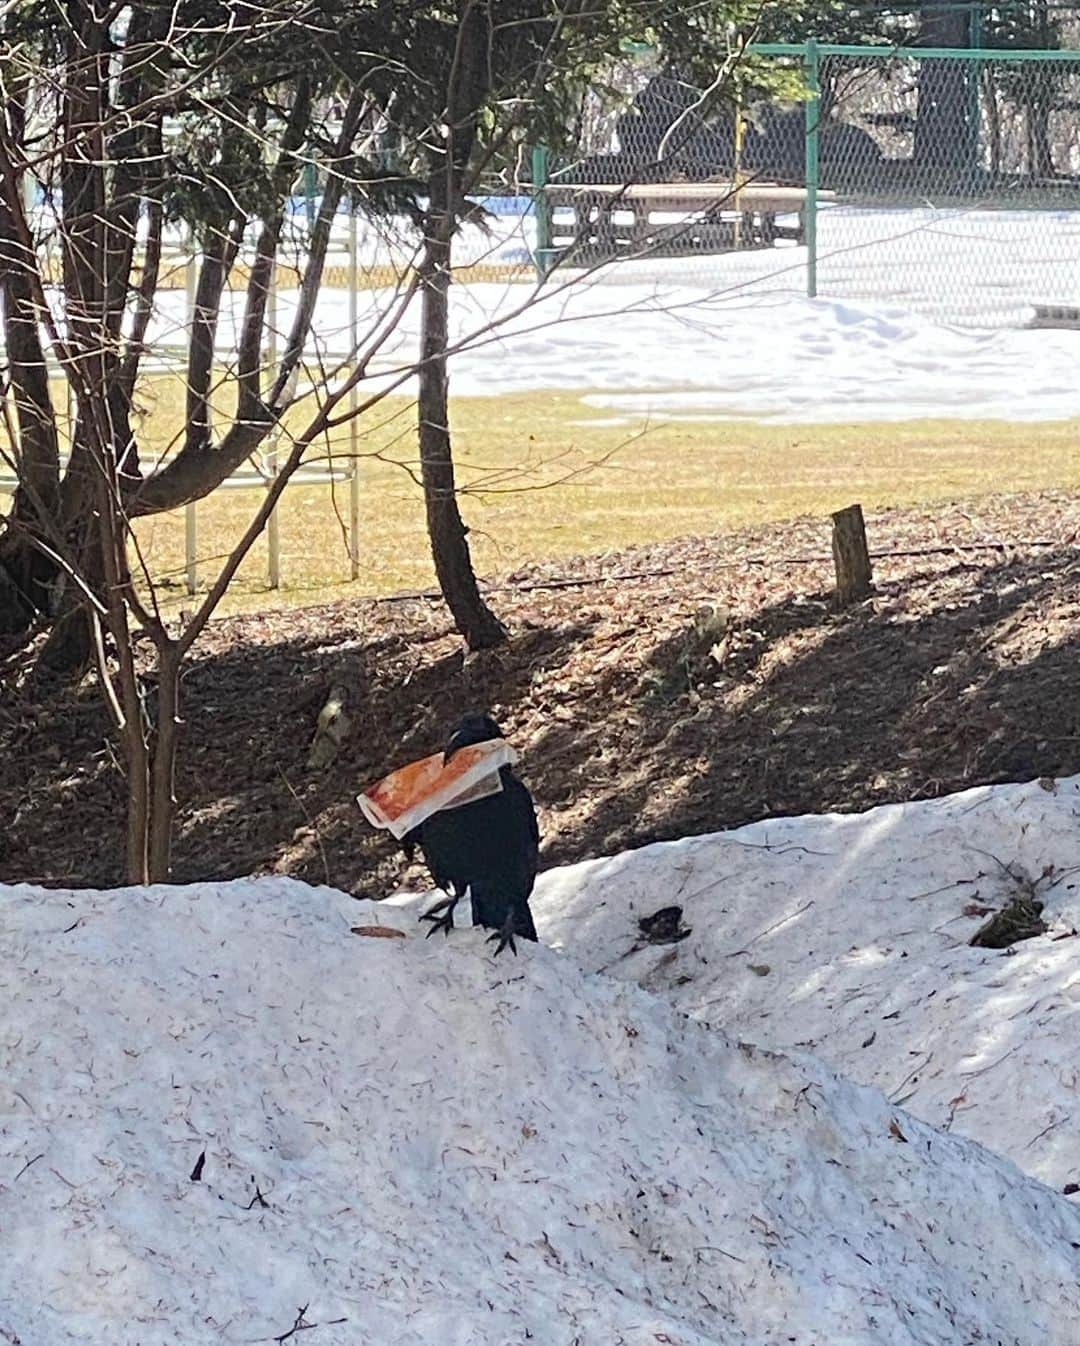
(812, 69)
(975, 21)
(311, 187)
(542, 208)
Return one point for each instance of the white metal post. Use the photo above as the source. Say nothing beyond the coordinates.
(354, 435)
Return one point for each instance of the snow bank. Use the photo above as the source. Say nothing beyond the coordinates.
(456, 1150)
(733, 336)
(848, 936)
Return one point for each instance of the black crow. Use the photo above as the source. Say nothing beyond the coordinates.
(487, 849)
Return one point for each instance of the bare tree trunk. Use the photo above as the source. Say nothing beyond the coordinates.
(163, 762)
(138, 805)
(25, 571)
(466, 85)
(129, 705)
(944, 131)
(69, 648)
(1040, 156)
(446, 530)
(993, 117)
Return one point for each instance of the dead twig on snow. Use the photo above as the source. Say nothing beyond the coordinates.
(301, 1326)
(27, 1165)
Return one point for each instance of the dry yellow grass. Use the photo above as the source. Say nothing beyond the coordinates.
(544, 476)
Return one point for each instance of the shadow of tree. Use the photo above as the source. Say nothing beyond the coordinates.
(248, 802)
(925, 691)
(949, 677)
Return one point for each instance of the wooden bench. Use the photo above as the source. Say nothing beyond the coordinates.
(712, 217)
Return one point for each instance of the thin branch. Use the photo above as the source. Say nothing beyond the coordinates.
(312, 823)
(144, 301)
(721, 78)
(217, 260)
(312, 278)
(302, 1325)
(104, 677)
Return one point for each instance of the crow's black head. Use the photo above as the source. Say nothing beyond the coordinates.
(471, 729)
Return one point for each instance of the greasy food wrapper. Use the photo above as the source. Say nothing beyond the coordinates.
(402, 800)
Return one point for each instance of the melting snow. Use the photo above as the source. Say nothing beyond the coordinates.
(862, 923)
(909, 324)
(456, 1150)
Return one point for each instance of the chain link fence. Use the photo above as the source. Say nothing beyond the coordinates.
(943, 181)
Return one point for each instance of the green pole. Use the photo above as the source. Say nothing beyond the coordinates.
(976, 18)
(812, 69)
(310, 189)
(542, 207)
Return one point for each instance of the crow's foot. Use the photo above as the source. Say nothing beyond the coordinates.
(505, 936)
(445, 922)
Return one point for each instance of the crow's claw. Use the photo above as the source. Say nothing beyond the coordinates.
(505, 936)
(445, 922)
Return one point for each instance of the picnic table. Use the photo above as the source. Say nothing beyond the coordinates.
(710, 216)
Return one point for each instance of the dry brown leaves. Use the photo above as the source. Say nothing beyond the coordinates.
(961, 669)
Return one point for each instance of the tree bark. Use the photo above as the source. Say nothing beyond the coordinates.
(466, 86)
(164, 743)
(993, 117)
(446, 529)
(132, 715)
(945, 136)
(69, 648)
(851, 556)
(25, 572)
(1040, 154)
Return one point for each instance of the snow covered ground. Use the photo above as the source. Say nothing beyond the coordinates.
(961, 265)
(735, 336)
(847, 936)
(219, 1108)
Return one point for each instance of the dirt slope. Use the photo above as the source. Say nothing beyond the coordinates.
(635, 725)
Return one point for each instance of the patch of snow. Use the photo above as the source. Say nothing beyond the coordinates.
(858, 928)
(455, 1150)
(956, 265)
(734, 336)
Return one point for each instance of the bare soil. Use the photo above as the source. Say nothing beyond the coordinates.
(639, 719)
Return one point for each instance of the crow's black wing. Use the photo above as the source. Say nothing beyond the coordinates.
(523, 826)
(439, 847)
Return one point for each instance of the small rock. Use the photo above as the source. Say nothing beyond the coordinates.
(664, 926)
(1021, 919)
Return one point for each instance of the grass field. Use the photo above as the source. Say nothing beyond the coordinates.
(544, 476)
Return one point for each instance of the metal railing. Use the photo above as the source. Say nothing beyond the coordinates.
(167, 356)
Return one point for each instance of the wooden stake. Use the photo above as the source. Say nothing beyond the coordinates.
(851, 556)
